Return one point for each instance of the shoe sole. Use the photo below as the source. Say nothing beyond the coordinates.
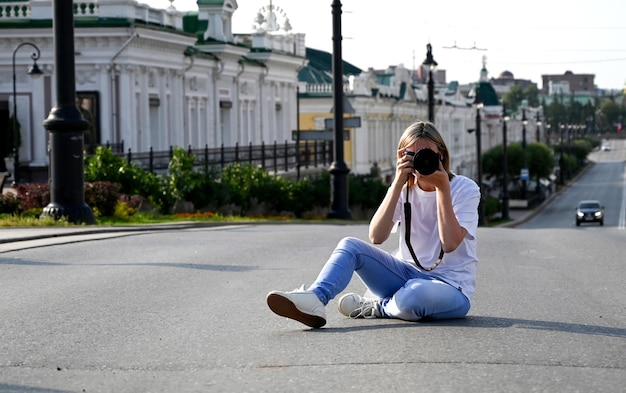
(285, 308)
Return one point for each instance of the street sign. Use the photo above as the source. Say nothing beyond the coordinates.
(524, 174)
(317, 135)
(348, 122)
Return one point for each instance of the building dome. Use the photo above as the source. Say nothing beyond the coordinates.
(506, 75)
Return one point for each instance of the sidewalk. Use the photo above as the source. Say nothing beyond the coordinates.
(68, 234)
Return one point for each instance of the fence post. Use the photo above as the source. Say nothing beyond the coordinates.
(151, 165)
(286, 157)
(129, 157)
(222, 156)
(250, 153)
(206, 158)
(263, 154)
(171, 152)
(315, 145)
(307, 155)
(189, 149)
(275, 158)
(237, 152)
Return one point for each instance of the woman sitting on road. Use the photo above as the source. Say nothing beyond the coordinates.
(433, 274)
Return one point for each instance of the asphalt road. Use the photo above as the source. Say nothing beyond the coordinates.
(604, 180)
(183, 310)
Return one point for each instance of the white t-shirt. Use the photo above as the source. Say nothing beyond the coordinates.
(458, 268)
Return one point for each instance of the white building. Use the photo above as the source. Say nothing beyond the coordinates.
(153, 78)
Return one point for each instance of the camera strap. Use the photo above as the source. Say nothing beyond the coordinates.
(407, 235)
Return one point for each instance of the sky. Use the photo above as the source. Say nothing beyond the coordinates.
(529, 38)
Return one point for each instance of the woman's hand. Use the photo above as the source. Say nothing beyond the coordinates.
(404, 167)
(438, 179)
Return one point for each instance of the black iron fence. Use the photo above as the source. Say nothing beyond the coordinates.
(284, 157)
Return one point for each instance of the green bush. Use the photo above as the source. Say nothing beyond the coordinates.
(9, 204)
(133, 180)
(33, 195)
(491, 206)
(365, 191)
(103, 196)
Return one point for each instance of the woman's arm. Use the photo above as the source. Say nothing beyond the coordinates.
(382, 221)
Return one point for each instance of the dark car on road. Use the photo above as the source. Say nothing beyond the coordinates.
(589, 211)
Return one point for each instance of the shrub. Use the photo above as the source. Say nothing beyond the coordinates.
(365, 191)
(103, 196)
(9, 204)
(33, 195)
(123, 211)
(491, 206)
(106, 166)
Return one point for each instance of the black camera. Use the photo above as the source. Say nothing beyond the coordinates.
(425, 161)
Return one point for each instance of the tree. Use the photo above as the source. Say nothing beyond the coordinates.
(611, 112)
(514, 97)
(539, 160)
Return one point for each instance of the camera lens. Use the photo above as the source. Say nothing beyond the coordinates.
(426, 161)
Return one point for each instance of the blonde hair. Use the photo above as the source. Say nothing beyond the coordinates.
(425, 129)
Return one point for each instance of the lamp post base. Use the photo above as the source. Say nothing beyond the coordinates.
(339, 192)
(75, 213)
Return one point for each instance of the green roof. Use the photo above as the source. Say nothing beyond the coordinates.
(486, 94)
(320, 67)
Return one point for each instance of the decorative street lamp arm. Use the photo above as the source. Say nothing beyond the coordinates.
(33, 70)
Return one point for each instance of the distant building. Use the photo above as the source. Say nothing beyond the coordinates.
(506, 80)
(568, 83)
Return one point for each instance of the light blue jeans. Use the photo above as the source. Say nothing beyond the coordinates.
(405, 292)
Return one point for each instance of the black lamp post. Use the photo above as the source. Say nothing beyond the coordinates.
(35, 72)
(505, 166)
(338, 168)
(538, 130)
(561, 178)
(479, 163)
(431, 64)
(66, 127)
(524, 180)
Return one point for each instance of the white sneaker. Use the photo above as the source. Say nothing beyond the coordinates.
(301, 305)
(355, 306)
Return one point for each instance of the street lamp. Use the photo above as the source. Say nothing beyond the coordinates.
(35, 72)
(505, 166)
(66, 128)
(338, 169)
(479, 164)
(431, 64)
(561, 129)
(524, 174)
(538, 129)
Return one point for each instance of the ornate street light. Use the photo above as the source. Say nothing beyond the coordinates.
(35, 72)
(561, 129)
(431, 64)
(66, 128)
(538, 129)
(338, 168)
(524, 175)
(505, 166)
(478, 102)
